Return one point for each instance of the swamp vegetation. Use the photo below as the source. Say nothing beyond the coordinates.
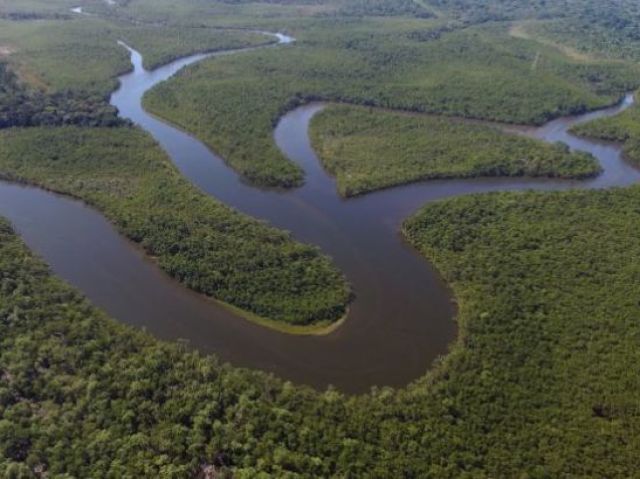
(368, 149)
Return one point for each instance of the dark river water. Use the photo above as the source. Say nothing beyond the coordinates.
(403, 316)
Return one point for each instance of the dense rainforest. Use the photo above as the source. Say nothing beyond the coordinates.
(206, 245)
(355, 144)
(160, 46)
(23, 107)
(607, 30)
(481, 72)
(384, 8)
(546, 358)
(542, 380)
(623, 128)
(210, 248)
(68, 68)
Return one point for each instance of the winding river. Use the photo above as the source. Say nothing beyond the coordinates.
(403, 316)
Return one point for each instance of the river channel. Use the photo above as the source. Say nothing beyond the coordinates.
(403, 316)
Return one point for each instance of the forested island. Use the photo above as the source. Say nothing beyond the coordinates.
(540, 379)
(355, 144)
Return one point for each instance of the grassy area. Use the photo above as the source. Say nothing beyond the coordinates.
(546, 358)
(368, 149)
(624, 128)
(206, 245)
(383, 8)
(232, 103)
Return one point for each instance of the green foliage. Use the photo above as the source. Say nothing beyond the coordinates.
(161, 45)
(36, 9)
(542, 382)
(206, 245)
(220, 13)
(621, 128)
(605, 29)
(624, 128)
(549, 313)
(384, 8)
(368, 149)
(478, 11)
(79, 55)
(82, 396)
(20, 106)
(232, 103)
(60, 72)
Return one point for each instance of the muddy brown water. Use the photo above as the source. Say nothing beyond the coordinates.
(403, 316)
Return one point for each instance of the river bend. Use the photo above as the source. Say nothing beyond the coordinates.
(403, 315)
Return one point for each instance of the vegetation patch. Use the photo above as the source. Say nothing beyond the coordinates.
(206, 245)
(623, 128)
(82, 55)
(604, 29)
(548, 293)
(233, 103)
(61, 72)
(542, 381)
(384, 8)
(83, 396)
(368, 149)
(21, 106)
(547, 357)
(160, 45)
(78, 55)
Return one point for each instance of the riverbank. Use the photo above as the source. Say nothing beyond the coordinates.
(402, 318)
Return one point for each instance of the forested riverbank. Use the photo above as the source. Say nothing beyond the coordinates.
(119, 170)
(548, 338)
(24, 107)
(81, 54)
(541, 381)
(369, 149)
(623, 128)
(60, 72)
(204, 244)
(476, 72)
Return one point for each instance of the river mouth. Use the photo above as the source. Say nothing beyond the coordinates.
(403, 315)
